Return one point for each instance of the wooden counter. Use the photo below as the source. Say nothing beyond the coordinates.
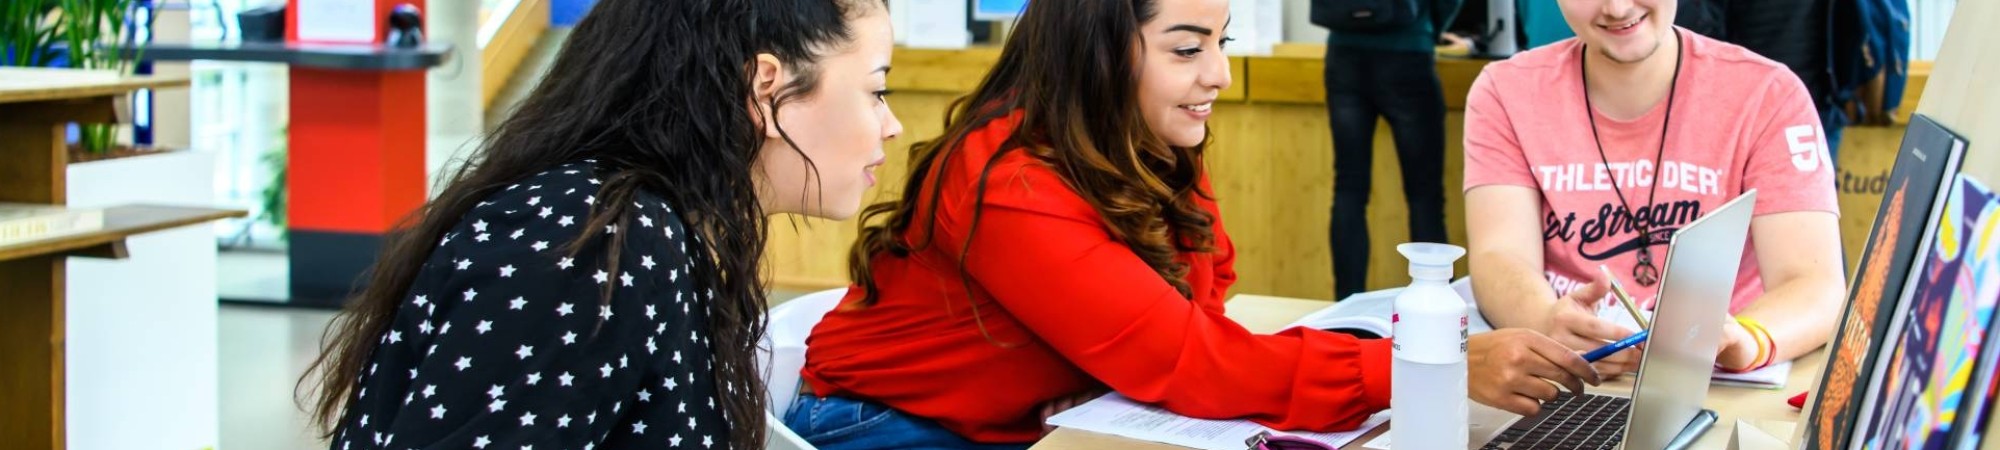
(1272, 167)
(35, 105)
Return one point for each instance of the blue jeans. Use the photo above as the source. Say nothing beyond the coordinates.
(835, 423)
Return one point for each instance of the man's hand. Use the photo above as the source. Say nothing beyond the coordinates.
(1572, 321)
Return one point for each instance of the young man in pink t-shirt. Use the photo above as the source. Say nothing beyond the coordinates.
(1636, 115)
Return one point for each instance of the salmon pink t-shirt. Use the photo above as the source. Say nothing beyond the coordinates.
(1739, 122)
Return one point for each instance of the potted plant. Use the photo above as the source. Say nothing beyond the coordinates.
(77, 34)
(95, 33)
(24, 28)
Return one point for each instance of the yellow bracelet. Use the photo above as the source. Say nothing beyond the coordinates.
(1757, 334)
(1767, 349)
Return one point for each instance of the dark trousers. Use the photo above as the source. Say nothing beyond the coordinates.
(1402, 88)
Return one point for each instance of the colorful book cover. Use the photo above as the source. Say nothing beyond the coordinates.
(1976, 412)
(1927, 366)
(1923, 171)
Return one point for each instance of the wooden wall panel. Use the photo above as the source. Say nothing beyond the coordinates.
(1272, 166)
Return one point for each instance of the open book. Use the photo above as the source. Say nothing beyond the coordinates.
(1367, 315)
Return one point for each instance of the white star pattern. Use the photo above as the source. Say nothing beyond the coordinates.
(543, 221)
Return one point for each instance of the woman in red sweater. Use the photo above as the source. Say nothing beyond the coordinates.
(1061, 239)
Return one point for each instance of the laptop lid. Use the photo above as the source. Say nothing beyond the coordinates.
(1693, 306)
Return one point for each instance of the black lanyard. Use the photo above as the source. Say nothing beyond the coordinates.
(1646, 274)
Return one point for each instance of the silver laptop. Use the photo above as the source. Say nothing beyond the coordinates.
(1664, 411)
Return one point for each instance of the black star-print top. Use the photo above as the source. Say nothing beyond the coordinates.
(501, 343)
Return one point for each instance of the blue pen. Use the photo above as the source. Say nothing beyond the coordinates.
(1615, 347)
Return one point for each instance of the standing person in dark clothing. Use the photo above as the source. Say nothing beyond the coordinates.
(1796, 33)
(1381, 63)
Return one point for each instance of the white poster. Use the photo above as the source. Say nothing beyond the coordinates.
(938, 24)
(336, 21)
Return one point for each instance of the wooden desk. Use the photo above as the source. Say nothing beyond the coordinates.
(1268, 314)
(35, 105)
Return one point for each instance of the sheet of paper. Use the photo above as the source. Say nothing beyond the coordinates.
(1116, 415)
(1772, 377)
(336, 21)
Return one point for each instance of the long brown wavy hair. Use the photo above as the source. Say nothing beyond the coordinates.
(1071, 69)
(659, 93)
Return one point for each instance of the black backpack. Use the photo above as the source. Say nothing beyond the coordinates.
(1363, 15)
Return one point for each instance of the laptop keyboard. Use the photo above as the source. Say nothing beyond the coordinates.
(1569, 422)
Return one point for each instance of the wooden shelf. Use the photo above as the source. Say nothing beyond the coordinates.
(119, 222)
(20, 85)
